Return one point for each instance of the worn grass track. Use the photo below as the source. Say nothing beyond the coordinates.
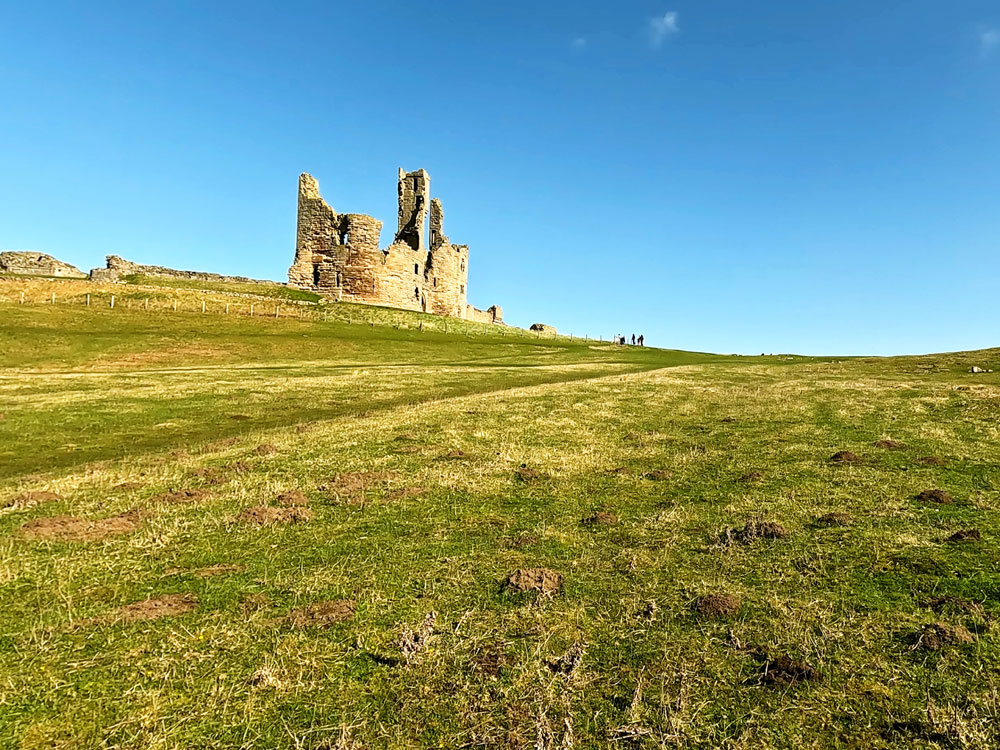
(871, 628)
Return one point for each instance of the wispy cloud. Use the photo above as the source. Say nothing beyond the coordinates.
(662, 27)
(578, 42)
(989, 42)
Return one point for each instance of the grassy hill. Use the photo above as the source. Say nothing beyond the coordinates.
(300, 532)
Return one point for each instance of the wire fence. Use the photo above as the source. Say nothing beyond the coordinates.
(159, 300)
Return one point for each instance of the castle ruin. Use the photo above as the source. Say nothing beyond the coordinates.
(338, 255)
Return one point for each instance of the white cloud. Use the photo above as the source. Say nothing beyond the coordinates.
(989, 42)
(662, 27)
(579, 42)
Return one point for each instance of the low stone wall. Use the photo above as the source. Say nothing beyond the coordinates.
(492, 315)
(118, 267)
(543, 329)
(27, 263)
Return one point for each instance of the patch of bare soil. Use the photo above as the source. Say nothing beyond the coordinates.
(889, 445)
(180, 454)
(570, 661)
(834, 518)
(750, 477)
(938, 635)
(936, 496)
(239, 467)
(29, 499)
(210, 475)
(291, 498)
(239, 417)
(540, 580)
(265, 449)
(617, 471)
(322, 614)
(600, 519)
(454, 455)
(182, 496)
(71, 529)
(718, 605)
(753, 530)
(966, 535)
(352, 486)
(168, 605)
(218, 445)
(402, 493)
(659, 475)
(932, 461)
(265, 515)
(305, 427)
(520, 542)
(129, 486)
(845, 457)
(783, 670)
(491, 660)
(526, 474)
(728, 420)
(955, 605)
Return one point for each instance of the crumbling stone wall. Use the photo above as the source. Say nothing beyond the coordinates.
(117, 267)
(493, 314)
(27, 263)
(338, 255)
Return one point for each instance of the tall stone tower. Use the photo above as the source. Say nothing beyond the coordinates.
(414, 200)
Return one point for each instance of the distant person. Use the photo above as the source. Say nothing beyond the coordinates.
(641, 340)
(633, 339)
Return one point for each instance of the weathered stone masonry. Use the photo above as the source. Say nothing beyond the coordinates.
(338, 255)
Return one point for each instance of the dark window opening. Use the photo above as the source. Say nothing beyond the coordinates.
(462, 288)
(435, 281)
(416, 292)
(338, 278)
(315, 274)
(416, 268)
(463, 265)
(345, 237)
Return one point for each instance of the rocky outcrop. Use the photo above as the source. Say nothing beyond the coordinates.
(27, 263)
(118, 267)
(544, 329)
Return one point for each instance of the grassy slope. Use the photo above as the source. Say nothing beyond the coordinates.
(236, 674)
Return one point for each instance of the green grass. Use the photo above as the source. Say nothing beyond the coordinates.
(263, 289)
(94, 398)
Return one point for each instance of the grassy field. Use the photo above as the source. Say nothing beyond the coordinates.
(237, 532)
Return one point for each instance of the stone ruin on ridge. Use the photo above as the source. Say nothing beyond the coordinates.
(338, 255)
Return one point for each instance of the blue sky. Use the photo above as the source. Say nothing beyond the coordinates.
(750, 177)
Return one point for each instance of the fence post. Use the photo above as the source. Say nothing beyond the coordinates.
(53, 298)
(227, 308)
(175, 305)
(203, 305)
(278, 307)
(112, 302)
(145, 303)
(88, 300)
(251, 309)
(22, 298)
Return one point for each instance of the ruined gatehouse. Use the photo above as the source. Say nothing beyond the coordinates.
(338, 255)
